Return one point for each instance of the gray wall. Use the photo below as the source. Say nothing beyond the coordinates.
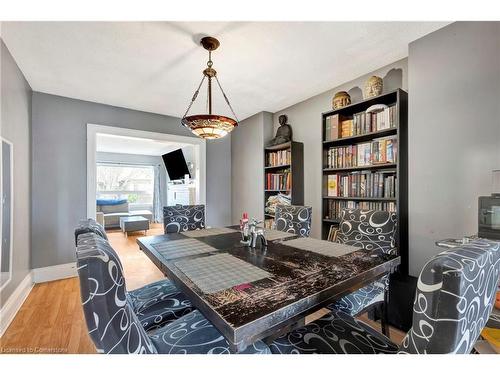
(16, 127)
(59, 169)
(219, 181)
(454, 131)
(247, 145)
(305, 119)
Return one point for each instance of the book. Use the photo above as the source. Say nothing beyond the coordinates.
(334, 127)
(332, 185)
(347, 128)
(328, 128)
(332, 233)
(363, 154)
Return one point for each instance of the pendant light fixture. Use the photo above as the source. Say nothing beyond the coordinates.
(209, 126)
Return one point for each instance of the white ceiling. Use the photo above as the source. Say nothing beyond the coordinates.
(156, 66)
(136, 146)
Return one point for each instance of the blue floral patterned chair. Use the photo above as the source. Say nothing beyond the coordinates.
(371, 230)
(293, 219)
(181, 218)
(113, 323)
(454, 298)
(155, 304)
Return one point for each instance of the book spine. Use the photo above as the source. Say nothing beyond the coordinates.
(328, 128)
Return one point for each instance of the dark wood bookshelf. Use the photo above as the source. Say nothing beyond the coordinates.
(400, 168)
(296, 167)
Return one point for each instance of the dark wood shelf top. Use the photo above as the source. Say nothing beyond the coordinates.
(353, 108)
(374, 166)
(333, 221)
(361, 198)
(278, 166)
(270, 215)
(361, 137)
(282, 146)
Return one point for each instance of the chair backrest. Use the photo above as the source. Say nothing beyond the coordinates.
(454, 298)
(181, 218)
(293, 219)
(369, 229)
(111, 321)
(89, 226)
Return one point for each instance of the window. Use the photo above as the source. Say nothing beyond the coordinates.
(131, 182)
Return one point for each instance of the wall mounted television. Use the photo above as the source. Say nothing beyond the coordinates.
(176, 166)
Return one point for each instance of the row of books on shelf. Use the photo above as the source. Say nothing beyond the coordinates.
(279, 181)
(381, 118)
(364, 184)
(277, 158)
(379, 151)
(334, 208)
(332, 233)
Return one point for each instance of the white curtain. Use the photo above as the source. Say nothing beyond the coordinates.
(157, 209)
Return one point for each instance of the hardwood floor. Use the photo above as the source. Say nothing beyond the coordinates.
(51, 319)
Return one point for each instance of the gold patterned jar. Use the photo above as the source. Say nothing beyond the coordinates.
(373, 87)
(341, 99)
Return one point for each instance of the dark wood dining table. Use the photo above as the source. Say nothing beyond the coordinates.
(296, 282)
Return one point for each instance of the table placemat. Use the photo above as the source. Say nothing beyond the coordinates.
(218, 272)
(208, 232)
(182, 248)
(327, 248)
(273, 234)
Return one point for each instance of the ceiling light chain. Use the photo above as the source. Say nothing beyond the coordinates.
(209, 126)
(195, 95)
(227, 100)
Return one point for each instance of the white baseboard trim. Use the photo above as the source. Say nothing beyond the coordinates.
(58, 272)
(14, 303)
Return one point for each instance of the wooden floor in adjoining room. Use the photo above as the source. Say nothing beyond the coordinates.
(51, 319)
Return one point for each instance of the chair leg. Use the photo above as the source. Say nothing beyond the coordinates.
(384, 318)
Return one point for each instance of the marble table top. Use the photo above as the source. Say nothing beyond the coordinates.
(299, 283)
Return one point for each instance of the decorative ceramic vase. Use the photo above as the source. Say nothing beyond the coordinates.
(341, 99)
(373, 87)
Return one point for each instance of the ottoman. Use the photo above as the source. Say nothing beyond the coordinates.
(133, 224)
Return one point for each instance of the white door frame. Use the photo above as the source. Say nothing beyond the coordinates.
(11, 234)
(94, 129)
